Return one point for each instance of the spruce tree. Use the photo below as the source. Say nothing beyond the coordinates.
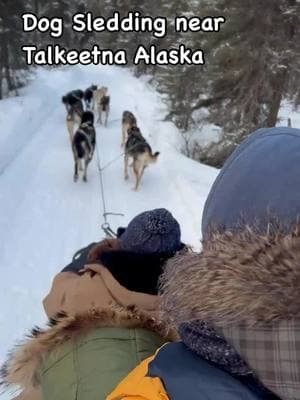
(255, 58)
(12, 64)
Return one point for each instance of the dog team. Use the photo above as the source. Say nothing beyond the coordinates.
(80, 106)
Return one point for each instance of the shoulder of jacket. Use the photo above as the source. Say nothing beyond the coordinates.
(138, 385)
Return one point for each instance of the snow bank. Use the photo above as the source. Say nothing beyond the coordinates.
(287, 112)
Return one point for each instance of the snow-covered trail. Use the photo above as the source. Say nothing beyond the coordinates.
(45, 217)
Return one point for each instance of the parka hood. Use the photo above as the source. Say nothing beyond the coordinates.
(238, 278)
(246, 286)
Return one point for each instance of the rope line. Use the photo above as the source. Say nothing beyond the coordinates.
(119, 156)
(112, 161)
(105, 226)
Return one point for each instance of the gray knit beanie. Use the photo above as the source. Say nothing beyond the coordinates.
(155, 231)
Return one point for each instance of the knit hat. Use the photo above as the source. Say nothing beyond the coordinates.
(155, 231)
(259, 184)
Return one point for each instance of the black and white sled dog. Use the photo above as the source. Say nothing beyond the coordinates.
(74, 108)
(83, 145)
(128, 121)
(73, 102)
(89, 97)
(141, 153)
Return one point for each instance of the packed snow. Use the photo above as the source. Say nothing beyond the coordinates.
(45, 217)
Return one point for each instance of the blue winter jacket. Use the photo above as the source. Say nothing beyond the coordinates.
(186, 376)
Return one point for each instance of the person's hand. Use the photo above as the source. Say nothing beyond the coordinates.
(106, 245)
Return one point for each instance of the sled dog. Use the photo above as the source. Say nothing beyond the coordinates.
(89, 97)
(74, 107)
(128, 122)
(141, 153)
(71, 98)
(83, 144)
(103, 104)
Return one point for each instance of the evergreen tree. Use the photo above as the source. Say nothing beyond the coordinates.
(182, 85)
(62, 9)
(255, 58)
(12, 64)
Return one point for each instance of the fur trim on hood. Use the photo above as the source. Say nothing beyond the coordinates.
(24, 362)
(238, 278)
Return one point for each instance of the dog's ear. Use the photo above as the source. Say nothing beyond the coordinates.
(156, 154)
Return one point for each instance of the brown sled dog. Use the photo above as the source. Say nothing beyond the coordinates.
(140, 151)
(128, 122)
(74, 108)
(72, 120)
(103, 104)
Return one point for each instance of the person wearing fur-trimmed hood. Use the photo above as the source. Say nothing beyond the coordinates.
(235, 304)
(103, 318)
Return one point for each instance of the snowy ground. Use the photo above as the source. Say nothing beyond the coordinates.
(287, 112)
(45, 217)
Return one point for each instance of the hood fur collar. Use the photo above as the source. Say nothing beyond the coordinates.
(23, 365)
(237, 278)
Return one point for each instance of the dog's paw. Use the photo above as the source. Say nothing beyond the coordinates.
(126, 177)
(75, 178)
(84, 179)
(134, 189)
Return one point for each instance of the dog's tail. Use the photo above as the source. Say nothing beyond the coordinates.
(154, 157)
